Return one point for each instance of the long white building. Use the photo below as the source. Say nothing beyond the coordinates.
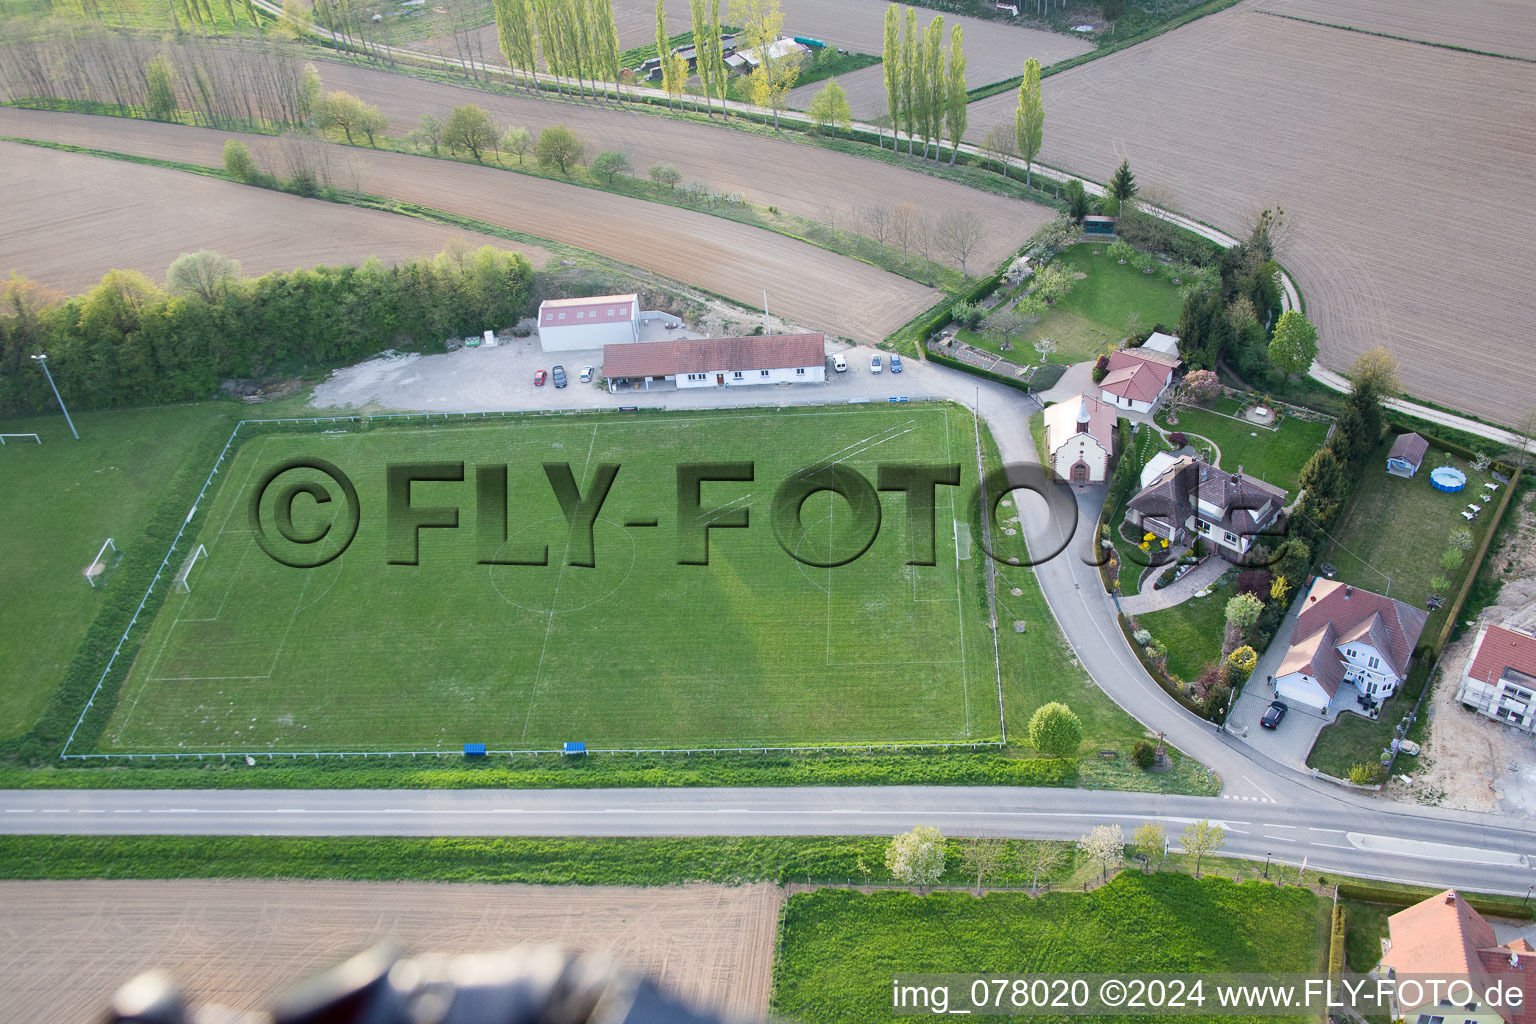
(567, 325)
(717, 362)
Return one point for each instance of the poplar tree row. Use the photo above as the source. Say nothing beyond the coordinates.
(577, 39)
(925, 93)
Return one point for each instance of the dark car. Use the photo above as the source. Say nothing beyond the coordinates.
(1273, 714)
(559, 374)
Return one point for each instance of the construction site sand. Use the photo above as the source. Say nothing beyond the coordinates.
(1492, 26)
(71, 218)
(67, 946)
(809, 285)
(799, 179)
(1404, 170)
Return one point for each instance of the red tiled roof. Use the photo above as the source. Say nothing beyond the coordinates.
(1443, 937)
(1350, 607)
(1135, 376)
(1499, 649)
(1315, 656)
(607, 309)
(713, 355)
(1062, 418)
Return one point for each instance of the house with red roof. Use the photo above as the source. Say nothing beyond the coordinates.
(1080, 436)
(1137, 378)
(1500, 680)
(1347, 636)
(1444, 938)
(570, 325)
(716, 362)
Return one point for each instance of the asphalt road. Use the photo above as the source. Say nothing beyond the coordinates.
(1332, 835)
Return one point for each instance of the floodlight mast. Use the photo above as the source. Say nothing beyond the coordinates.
(42, 360)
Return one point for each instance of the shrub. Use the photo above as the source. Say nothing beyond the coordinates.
(666, 174)
(1367, 774)
(1055, 731)
(1255, 582)
(239, 162)
(1144, 753)
(1100, 369)
(1241, 662)
(1178, 439)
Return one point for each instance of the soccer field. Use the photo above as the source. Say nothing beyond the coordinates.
(755, 648)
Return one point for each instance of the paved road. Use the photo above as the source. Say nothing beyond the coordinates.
(1471, 851)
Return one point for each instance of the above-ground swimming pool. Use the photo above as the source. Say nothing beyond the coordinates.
(1446, 478)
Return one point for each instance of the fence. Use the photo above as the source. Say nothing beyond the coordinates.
(294, 755)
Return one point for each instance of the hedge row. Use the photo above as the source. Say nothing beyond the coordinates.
(1453, 618)
(1407, 896)
(1448, 446)
(1336, 941)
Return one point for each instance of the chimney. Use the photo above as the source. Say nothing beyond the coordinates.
(1347, 592)
(1514, 959)
(1450, 897)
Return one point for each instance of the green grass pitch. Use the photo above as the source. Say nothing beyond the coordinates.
(754, 649)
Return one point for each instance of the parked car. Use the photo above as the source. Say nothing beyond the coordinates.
(1273, 714)
(559, 374)
(839, 363)
(538, 378)
(895, 363)
(586, 374)
(874, 364)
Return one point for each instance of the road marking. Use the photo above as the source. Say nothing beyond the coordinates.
(1433, 851)
(1279, 839)
(1258, 787)
(1279, 826)
(129, 810)
(17, 810)
(181, 810)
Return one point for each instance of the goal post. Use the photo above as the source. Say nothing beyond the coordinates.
(17, 437)
(105, 559)
(182, 584)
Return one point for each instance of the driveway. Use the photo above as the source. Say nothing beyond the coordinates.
(1292, 741)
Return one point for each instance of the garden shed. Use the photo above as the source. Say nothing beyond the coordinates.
(1407, 455)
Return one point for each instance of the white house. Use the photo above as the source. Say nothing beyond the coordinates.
(567, 325)
(1443, 937)
(1136, 378)
(1080, 435)
(717, 362)
(1347, 635)
(1191, 498)
(1500, 680)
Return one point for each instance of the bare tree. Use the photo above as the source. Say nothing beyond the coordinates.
(1001, 142)
(1038, 858)
(983, 855)
(1005, 323)
(877, 223)
(904, 222)
(960, 231)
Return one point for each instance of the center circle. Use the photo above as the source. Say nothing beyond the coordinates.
(564, 588)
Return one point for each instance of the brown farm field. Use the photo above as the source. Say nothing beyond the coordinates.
(70, 222)
(798, 179)
(809, 285)
(68, 945)
(1405, 182)
(1491, 26)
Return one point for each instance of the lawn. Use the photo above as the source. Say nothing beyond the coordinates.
(1095, 314)
(1365, 925)
(840, 948)
(754, 648)
(1396, 530)
(1274, 456)
(62, 499)
(1354, 739)
(1192, 631)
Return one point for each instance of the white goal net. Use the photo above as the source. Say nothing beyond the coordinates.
(182, 584)
(105, 559)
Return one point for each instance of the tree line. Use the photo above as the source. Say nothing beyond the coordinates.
(924, 86)
(127, 341)
(577, 40)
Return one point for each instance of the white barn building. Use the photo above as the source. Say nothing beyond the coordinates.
(567, 325)
(717, 362)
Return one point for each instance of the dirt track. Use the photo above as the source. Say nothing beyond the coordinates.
(66, 946)
(1341, 129)
(806, 284)
(796, 178)
(1492, 26)
(70, 223)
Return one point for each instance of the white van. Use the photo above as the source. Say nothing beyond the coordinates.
(839, 363)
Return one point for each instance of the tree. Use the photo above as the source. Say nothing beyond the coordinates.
(700, 11)
(517, 141)
(160, 89)
(1377, 371)
(206, 274)
(1050, 283)
(1001, 141)
(665, 174)
(559, 147)
(1203, 839)
(1029, 117)
(1323, 476)
(1112, 11)
(1005, 323)
(345, 111)
(983, 855)
(517, 37)
(829, 107)
(1243, 611)
(775, 73)
(1055, 731)
(1293, 345)
(297, 21)
(428, 133)
(960, 231)
(911, 76)
(1243, 660)
(469, 130)
(1197, 388)
(917, 857)
(610, 163)
(1105, 845)
(674, 76)
(239, 162)
(955, 99)
(934, 85)
(1077, 200)
(891, 60)
(1122, 187)
(1148, 841)
(905, 221)
(1038, 858)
